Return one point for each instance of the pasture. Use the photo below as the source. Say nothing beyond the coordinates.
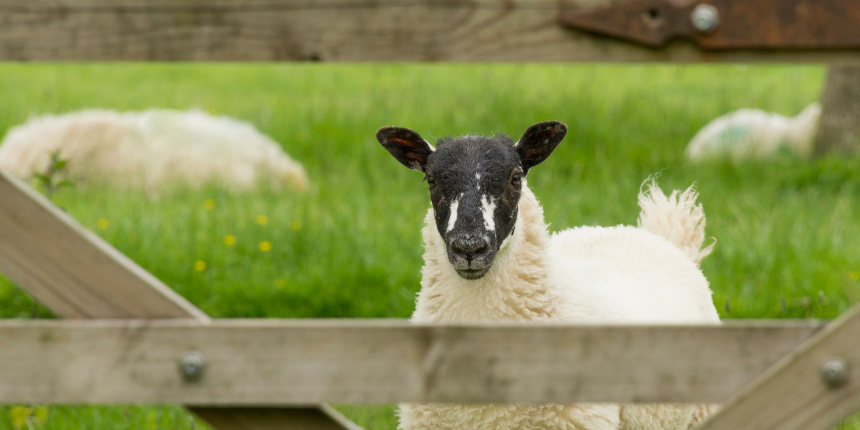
(350, 247)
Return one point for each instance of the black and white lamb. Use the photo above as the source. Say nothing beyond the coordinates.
(489, 257)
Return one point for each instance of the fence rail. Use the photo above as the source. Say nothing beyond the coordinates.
(305, 362)
(334, 30)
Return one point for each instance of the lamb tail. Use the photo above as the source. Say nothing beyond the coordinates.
(677, 218)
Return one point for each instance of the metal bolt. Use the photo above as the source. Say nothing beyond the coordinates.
(191, 365)
(834, 372)
(705, 18)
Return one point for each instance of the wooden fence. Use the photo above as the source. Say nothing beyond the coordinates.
(351, 30)
(126, 331)
(304, 362)
(260, 374)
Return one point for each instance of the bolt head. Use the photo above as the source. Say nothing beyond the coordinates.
(705, 18)
(834, 372)
(191, 365)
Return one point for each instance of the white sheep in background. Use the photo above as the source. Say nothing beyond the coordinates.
(153, 149)
(488, 256)
(755, 134)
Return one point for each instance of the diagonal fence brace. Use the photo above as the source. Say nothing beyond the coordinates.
(801, 391)
(78, 275)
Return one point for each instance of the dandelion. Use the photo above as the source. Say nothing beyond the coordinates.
(41, 414)
(280, 283)
(200, 265)
(854, 275)
(262, 219)
(19, 415)
(229, 240)
(296, 225)
(209, 204)
(265, 246)
(102, 223)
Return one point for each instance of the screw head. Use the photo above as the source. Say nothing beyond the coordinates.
(834, 372)
(705, 18)
(191, 365)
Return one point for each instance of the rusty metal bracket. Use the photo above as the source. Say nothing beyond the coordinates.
(727, 24)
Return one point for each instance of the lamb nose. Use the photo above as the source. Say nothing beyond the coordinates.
(469, 247)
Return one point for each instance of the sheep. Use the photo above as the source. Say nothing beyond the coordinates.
(755, 134)
(153, 149)
(488, 256)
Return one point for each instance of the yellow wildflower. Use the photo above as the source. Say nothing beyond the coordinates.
(262, 219)
(296, 225)
(19, 415)
(41, 414)
(200, 265)
(265, 246)
(229, 240)
(854, 275)
(102, 223)
(209, 204)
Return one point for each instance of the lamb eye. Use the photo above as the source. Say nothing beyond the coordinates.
(517, 179)
(430, 181)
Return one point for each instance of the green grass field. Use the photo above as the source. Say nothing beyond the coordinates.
(350, 246)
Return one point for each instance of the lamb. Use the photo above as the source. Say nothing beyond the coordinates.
(488, 256)
(151, 149)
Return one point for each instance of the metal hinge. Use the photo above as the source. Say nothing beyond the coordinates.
(727, 24)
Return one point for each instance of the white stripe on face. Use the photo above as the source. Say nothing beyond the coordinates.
(452, 218)
(488, 209)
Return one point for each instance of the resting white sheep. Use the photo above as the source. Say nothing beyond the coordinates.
(755, 134)
(152, 149)
(489, 257)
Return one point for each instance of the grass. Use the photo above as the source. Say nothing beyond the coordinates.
(350, 246)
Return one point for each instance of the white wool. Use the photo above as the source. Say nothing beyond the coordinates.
(677, 218)
(618, 275)
(755, 134)
(153, 149)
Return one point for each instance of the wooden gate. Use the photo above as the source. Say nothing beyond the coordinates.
(128, 337)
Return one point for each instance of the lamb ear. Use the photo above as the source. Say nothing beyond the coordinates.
(539, 141)
(406, 146)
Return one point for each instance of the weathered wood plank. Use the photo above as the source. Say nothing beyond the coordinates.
(330, 30)
(792, 394)
(307, 362)
(319, 418)
(70, 269)
(838, 129)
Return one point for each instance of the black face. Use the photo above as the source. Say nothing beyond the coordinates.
(475, 184)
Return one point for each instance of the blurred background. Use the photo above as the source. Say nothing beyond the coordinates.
(349, 245)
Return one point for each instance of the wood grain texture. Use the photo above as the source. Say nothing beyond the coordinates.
(70, 269)
(78, 275)
(307, 362)
(838, 129)
(318, 418)
(792, 394)
(331, 30)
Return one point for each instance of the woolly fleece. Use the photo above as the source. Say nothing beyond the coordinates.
(151, 149)
(621, 275)
(755, 134)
